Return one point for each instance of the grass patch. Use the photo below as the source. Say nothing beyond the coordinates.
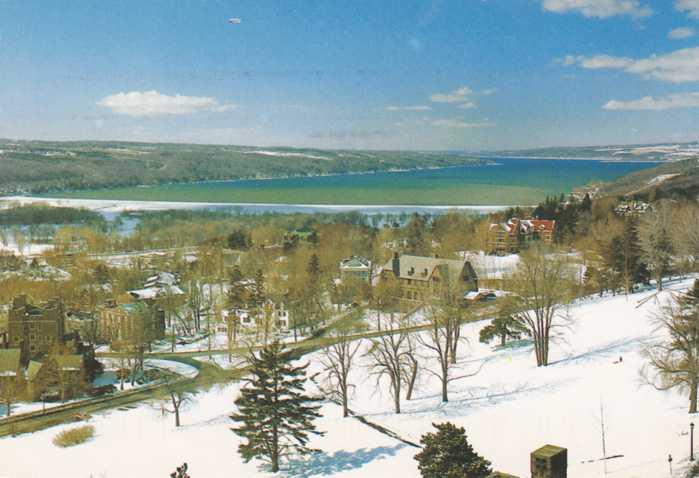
(74, 436)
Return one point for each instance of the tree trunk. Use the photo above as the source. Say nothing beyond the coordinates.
(693, 396)
(275, 451)
(396, 394)
(345, 409)
(445, 396)
(411, 382)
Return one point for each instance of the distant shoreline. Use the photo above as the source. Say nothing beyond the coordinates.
(118, 205)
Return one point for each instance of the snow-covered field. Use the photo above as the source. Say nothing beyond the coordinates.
(29, 249)
(509, 409)
(512, 407)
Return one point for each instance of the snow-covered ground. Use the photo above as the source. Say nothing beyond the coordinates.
(509, 409)
(512, 407)
(28, 249)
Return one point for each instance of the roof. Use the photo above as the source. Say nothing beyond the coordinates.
(33, 369)
(548, 451)
(422, 268)
(154, 292)
(524, 226)
(69, 362)
(161, 279)
(9, 361)
(355, 262)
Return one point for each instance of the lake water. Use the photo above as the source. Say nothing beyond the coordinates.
(507, 182)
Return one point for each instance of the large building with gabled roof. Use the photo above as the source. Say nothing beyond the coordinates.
(418, 277)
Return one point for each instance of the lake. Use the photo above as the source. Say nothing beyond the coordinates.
(506, 182)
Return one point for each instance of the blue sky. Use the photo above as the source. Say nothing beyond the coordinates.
(389, 74)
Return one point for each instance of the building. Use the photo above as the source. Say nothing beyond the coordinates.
(274, 313)
(158, 285)
(515, 234)
(120, 323)
(419, 277)
(35, 330)
(355, 267)
(60, 377)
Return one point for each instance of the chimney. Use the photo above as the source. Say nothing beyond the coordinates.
(396, 264)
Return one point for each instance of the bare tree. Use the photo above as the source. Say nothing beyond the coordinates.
(389, 358)
(11, 388)
(656, 241)
(674, 363)
(439, 340)
(685, 236)
(541, 288)
(337, 360)
(412, 369)
(175, 395)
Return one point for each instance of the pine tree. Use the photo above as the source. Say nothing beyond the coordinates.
(258, 289)
(275, 417)
(504, 327)
(447, 454)
(416, 242)
(236, 292)
(313, 270)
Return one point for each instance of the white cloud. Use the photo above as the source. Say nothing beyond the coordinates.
(681, 33)
(153, 103)
(650, 103)
(409, 108)
(599, 8)
(689, 6)
(459, 95)
(676, 67)
(467, 105)
(458, 123)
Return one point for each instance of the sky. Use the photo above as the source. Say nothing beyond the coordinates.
(366, 74)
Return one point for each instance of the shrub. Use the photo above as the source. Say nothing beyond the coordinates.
(74, 436)
(447, 454)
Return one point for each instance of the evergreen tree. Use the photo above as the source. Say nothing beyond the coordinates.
(239, 240)
(314, 270)
(258, 289)
(504, 327)
(236, 292)
(275, 417)
(586, 204)
(416, 242)
(447, 454)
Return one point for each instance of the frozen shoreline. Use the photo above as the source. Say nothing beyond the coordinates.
(109, 205)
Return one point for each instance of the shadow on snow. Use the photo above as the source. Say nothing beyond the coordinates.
(324, 464)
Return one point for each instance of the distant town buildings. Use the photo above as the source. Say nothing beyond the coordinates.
(160, 284)
(515, 234)
(418, 277)
(274, 314)
(631, 208)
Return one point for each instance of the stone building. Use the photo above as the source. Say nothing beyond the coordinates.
(418, 277)
(35, 330)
